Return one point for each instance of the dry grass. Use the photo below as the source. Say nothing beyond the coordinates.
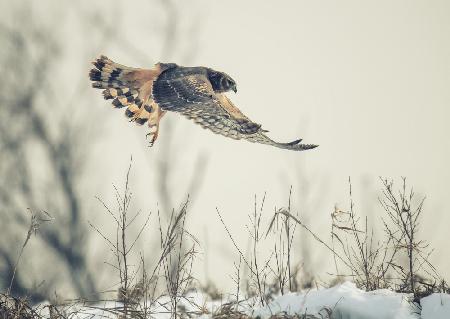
(19, 307)
(165, 283)
(16, 308)
(228, 311)
(141, 289)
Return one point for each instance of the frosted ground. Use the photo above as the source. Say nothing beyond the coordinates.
(343, 301)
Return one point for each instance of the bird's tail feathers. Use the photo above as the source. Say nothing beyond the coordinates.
(125, 86)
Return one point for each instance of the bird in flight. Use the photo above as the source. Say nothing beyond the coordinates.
(198, 93)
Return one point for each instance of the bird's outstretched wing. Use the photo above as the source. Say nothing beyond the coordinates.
(193, 96)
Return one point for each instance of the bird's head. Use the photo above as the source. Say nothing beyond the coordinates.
(221, 82)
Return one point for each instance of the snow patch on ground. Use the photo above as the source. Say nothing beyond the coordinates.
(436, 306)
(343, 301)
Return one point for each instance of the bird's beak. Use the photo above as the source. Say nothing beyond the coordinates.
(235, 89)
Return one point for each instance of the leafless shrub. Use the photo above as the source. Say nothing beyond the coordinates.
(258, 271)
(16, 308)
(275, 272)
(35, 223)
(178, 258)
(367, 259)
(371, 262)
(140, 293)
(378, 264)
(237, 277)
(283, 229)
(12, 307)
(130, 290)
(403, 211)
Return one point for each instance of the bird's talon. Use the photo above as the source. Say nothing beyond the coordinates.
(152, 136)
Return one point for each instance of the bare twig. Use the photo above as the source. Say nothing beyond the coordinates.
(35, 223)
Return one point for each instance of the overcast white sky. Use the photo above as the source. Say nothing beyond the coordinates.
(366, 80)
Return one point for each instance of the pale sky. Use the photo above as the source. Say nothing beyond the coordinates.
(366, 80)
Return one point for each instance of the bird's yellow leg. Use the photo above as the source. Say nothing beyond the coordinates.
(153, 123)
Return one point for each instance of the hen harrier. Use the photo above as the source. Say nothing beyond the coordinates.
(195, 92)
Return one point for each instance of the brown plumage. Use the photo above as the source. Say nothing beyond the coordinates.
(198, 93)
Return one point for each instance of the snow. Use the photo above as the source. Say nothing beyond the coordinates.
(343, 301)
(436, 306)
